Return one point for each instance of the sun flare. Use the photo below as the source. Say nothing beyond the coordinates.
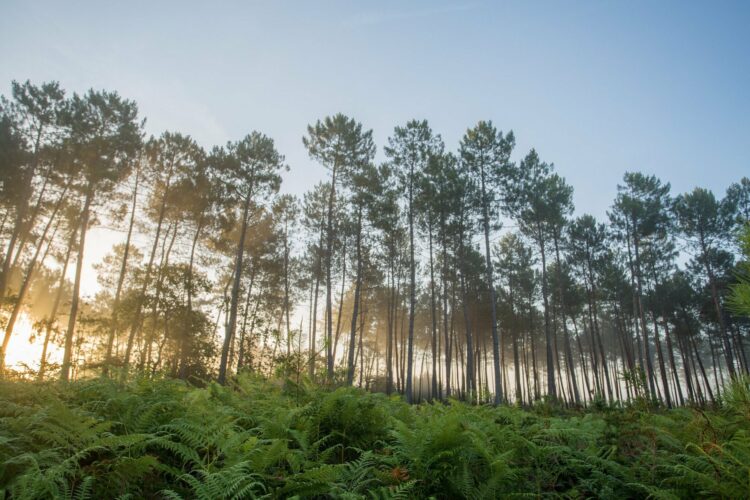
(26, 350)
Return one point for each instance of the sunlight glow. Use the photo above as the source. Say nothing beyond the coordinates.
(22, 351)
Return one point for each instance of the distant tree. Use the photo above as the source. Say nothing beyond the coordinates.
(587, 248)
(315, 222)
(410, 149)
(707, 224)
(514, 266)
(540, 201)
(485, 152)
(388, 220)
(639, 217)
(167, 159)
(286, 213)
(106, 134)
(339, 144)
(363, 183)
(252, 171)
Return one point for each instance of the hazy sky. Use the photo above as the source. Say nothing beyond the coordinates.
(596, 87)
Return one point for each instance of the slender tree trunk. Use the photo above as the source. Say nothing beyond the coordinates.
(138, 316)
(551, 388)
(236, 279)
(703, 370)
(337, 335)
(360, 348)
(191, 262)
(692, 395)
(642, 315)
(389, 331)
(470, 381)
(517, 369)
(672, 363)
(121, 277)
(563, 310)
(433, 307)
(159, 287)
(535, 370)
(329, 284)
(446, 333)
(391, 328)
(313, 347)
(718, 309)
(662, 367)
(412, 292)
(491, 286)
(245, 311)
(65, 371)
(355, 304)
(287, 301)
(55, 306)
(583, 363)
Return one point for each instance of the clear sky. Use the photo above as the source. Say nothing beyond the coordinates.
(597, 87)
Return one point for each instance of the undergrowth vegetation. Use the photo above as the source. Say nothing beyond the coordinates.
(255, 439)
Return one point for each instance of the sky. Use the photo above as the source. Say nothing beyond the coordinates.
(598, 88)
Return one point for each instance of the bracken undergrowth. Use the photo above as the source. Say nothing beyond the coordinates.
(257, 439)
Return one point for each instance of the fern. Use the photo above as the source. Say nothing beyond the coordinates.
(157, 438)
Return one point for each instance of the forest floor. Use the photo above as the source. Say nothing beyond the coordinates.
(165, 439)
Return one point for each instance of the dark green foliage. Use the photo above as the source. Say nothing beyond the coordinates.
(166, 439)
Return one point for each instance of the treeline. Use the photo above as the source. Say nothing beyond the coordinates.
(396, 277)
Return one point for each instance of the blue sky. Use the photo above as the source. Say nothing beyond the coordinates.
(596, 87)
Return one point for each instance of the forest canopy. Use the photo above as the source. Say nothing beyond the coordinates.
(432, 274)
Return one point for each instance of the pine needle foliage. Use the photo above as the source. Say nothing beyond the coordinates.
(161, 438)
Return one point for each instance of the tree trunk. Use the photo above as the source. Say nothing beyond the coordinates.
(642, 316)
(313, 347)
(672, 363)
(718, 309)
(287, 301)
(433, 307)
(563, 310)
(65, 371)
(470, 385)
(412, 292)
(236, 278)
(136, 324)
(243, 330)
(391, 329)
(329, 284)
(662, 367)
(551, 388)
(121, 277)
(337, 335)
(491, 287)
(446, 333)
(355, 305)
(55, 306)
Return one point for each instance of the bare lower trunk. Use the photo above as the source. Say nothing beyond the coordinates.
(121, 277)
(236, 279)
(55, 306)
(65, 371)
(355, 305)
